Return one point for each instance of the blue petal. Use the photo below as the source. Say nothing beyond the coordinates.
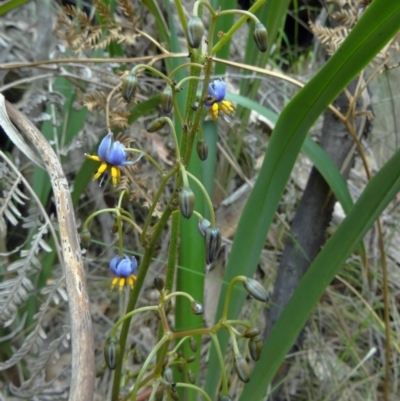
(217, 90)
(126, 267)
(105, 147)
(117, 155)
(113, 264)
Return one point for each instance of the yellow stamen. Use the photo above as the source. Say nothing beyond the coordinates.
(121, 284)
(116, 175)
(214, 111)
(101, 170)
(131, 280)
(114, 282)
(95, 158)
(227, 107)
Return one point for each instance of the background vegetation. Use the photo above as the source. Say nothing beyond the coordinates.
(304, 179)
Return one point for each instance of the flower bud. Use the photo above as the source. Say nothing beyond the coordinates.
(158, 283)
(168, 376)
(86, 238)
(186, 201)
(260, 35)
(197, 308)
(129, 86)
(195, 32)
(193, 344)
(255, 347)
(212, 240)
(255, 289)
(202, 226)
(155, 125)
(251, 333)
(174, 395)
(191, 377)
(166, 99)
(202, 150)
(241, 368)
(112, 350)
(224, 398)
(191, 359)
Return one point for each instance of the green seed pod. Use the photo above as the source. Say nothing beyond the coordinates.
(224, 398)
(86, 238)
(174, 395)
(260, 35)
(251, 333)
(197, 308)
(155, 125)
(166, 100)
(191, 377)
(191, 359)
(195, 32)
(255, 289)
(129, 86)
(186, 201)
(193, 344)
(202, 226)
(112, 350)
(212, 240)
(158, 283)
(202, 150)
(241, 368)
(255, 347)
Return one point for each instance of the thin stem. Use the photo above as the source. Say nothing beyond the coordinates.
(221, 364)
(171, 125)
(228, 296)
(180, 293)
(145, 365)
(225, 38)
(192, 386)
(153, 70)
(155, 200)
(129, 316)
(243, 12)
(205, 4)
(206, 196)
(184, 65)
(148, 157)
(182, 81)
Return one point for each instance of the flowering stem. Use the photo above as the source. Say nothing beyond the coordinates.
(148, 157)
(145, 365)
(184, 174)
(181, 82)
(144, 266)
(181, 293)
(228, 296)
(221, 364)
(233, 338)
(225, 38)
(170, 123)
(243, 12)
(155, 200)
(205, 4)
(129, 316)
(206, 196)
(93, 215)
(175, 70)
(153, 70)
(192, 386)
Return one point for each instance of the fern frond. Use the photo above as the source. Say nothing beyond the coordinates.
(332, 38)
(119, 118)
(345, 17)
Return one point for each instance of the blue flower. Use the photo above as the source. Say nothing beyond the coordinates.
(124, 269)
(215, 99)
(112, 155)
